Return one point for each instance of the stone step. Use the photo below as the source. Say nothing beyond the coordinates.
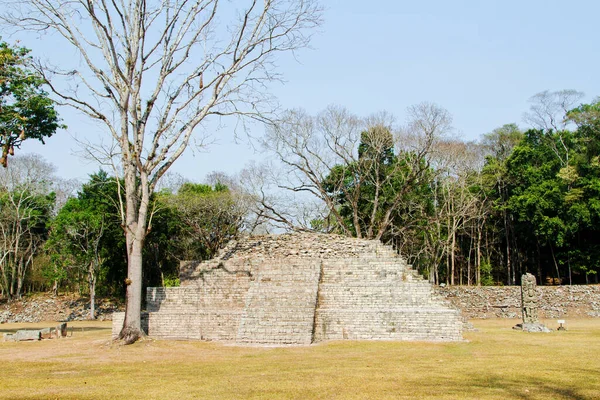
(406, 323)
(280, 305)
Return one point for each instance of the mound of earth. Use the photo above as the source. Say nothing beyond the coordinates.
(64, 307)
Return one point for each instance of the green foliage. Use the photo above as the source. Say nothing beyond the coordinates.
(533, 207)
(171, 281)
(86, 233)
(545, 196)
(75, 236)
(207, 218)
(379, 185)
(486, 274)
(26, 111)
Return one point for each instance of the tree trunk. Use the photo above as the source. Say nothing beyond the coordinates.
(135, 234)
(452, 256)
(132, 327)
(555, 264)
(92, 283)
(539, 262)
(20, 276)
(470, 258)
(6, 285)
(478, 262)
(507, 236)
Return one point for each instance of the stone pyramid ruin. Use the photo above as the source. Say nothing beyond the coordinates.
(299, 289)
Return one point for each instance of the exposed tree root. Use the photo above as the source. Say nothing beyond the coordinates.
(130, 335)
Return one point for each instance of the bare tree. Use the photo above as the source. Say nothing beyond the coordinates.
(267, 207)
(337, 157)
(64, 190)
(170, 182)
(152, 71)
(501, 141)
(548, 110)
(24, 209)
(427, 124)
(458, 203)
(310, 148)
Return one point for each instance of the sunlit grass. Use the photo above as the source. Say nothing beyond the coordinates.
(495, 363)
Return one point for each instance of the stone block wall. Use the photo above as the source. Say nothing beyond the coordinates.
(300, 289)
(555, 302)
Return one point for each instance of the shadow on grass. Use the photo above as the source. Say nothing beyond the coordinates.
(529, 387)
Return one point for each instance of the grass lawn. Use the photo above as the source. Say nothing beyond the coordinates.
(495, 363)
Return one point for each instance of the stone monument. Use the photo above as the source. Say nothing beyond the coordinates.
(529, 299)
(529, 305)
(298, 289)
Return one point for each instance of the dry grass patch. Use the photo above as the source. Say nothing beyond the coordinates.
(496, 363)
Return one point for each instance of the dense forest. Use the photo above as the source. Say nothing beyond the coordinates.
(463, 213)
(468, 213)
(478, 213)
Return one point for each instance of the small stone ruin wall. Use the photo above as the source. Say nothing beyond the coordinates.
(300, 289)
(577, 301)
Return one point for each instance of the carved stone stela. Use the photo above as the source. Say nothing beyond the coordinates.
(529, 299)
(529, 304)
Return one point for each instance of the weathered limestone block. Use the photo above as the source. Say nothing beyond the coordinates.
(36, 334)
(48, 333)
(26, 335)
(280, 305)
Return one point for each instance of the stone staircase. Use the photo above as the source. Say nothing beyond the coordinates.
(300, 289)
(280, 304)
(380, 299)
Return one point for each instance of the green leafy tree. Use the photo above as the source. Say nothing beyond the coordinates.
(553, 192)
(382, 193)
(97, 202)
(76, 235)
(26, 111)
(209, 217)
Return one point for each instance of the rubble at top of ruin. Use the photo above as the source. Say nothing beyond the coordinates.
(299, 244)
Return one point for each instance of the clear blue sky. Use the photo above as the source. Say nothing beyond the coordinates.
(481, 60)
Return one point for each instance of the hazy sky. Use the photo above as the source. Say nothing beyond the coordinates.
(481, 60)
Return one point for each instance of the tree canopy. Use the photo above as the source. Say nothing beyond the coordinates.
(26, 110)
